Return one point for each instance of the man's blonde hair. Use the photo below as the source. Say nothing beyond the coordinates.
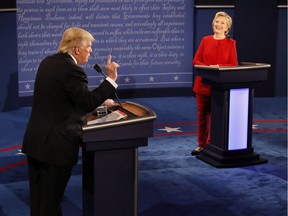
(73, 37)
(229, 20)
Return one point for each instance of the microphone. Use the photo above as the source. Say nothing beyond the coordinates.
(99, 70)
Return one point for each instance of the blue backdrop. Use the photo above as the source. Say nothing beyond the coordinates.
(152, 40)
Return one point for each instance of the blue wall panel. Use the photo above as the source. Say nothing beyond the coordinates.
(8, 62)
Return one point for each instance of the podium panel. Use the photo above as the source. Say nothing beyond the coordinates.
(238, 119)
(110, 162)
(232, 98)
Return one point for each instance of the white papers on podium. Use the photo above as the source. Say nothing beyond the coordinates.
(113, 116)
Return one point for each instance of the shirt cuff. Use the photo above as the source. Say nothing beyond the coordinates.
(112, 82)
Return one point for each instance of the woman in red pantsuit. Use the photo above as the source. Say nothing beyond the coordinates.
(214, 50)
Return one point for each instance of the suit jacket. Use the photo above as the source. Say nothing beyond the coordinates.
(213, 52)
(60, 102)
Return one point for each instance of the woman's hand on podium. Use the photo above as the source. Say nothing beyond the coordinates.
(216, 66)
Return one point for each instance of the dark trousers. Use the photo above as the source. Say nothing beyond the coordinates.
(47, 185)
(204, 112)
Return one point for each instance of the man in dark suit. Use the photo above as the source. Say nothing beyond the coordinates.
(60, 102)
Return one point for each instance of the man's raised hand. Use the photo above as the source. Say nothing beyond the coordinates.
(111, 68)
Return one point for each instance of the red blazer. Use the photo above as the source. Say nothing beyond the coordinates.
(60, 102)
(213, 52)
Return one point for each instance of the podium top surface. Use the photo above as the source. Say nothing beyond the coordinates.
(136, 113)
(244, 73)
(241, 66)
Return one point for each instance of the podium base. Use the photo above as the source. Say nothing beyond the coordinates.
(230, 159)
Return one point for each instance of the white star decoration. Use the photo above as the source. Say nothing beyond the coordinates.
(127, 80)
(176, 78)
(27, 86)
(151, 79)
(19, 152)
(169, 129)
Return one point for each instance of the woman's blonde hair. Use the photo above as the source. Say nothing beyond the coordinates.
(73, 37)
(229, 20)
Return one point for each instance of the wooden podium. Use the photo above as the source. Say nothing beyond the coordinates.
(232, 99)
(110, 157)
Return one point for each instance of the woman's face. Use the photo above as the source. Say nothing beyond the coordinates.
(220, 25)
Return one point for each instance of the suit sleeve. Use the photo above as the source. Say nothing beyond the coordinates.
(233, 58)
(198, 58)
(85, 99)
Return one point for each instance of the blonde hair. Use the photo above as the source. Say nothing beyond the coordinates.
(73, 37)
(229, 20)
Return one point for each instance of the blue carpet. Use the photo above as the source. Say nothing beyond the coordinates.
(170, 181)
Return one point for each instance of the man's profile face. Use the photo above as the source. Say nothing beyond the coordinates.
(83, 53)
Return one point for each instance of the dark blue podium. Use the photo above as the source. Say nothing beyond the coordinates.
(232, 99)
(110, 162)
